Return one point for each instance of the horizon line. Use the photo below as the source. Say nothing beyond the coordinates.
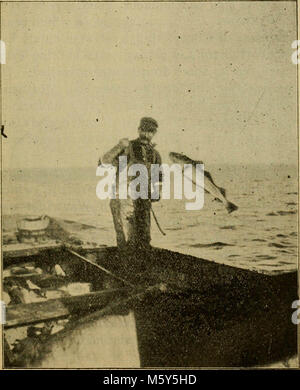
(95, 167)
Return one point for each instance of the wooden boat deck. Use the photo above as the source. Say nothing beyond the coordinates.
(23, 249)
(233, 316)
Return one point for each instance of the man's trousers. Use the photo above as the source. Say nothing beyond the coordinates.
(132, 222)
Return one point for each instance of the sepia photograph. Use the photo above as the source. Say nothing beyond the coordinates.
(149, 185)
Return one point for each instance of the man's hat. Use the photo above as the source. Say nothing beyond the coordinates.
(148, 124)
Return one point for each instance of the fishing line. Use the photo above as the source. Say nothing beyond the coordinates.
(98, 266)
(157, 223)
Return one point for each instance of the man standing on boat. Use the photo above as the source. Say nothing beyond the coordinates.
(132, 219)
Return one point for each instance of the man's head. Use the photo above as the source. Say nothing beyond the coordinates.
(147, 128)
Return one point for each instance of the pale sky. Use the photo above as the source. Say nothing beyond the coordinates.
(218, 77)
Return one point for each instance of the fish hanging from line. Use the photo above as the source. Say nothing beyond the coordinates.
(210, 186)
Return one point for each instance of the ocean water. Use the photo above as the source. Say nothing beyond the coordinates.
(261, 235)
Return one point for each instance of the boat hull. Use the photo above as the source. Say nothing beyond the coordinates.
(185, 311)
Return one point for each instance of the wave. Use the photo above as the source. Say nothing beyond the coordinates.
(286, 212)
(229, 227)
(281, 212)
(284, 262)
(217, 244)
(276, 245)
(266, 257)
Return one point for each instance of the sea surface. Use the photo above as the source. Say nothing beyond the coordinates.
(262, 234)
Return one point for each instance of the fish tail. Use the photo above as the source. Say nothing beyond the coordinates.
(231, 207)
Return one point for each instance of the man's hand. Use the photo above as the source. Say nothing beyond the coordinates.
(124, 142)
(155, 200)
(157, 188)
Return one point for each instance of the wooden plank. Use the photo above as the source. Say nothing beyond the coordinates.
(31, 313)
(23, 250)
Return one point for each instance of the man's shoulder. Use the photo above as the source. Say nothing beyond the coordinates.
(134, 142)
